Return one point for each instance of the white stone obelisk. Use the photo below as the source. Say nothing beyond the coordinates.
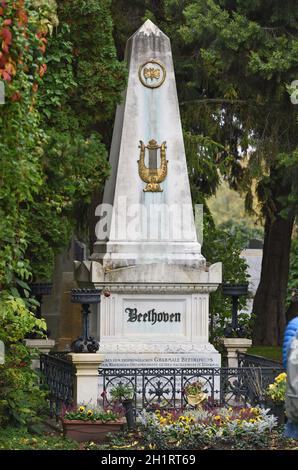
(147, 257)
(149, 226)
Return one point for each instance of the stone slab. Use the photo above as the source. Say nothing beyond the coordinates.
(129, 360)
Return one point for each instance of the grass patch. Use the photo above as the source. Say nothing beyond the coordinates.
(12, 438)
(270, 352)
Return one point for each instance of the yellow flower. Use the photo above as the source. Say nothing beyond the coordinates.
(281, 377)
(89, 413)
(81, 409)
(217, 418)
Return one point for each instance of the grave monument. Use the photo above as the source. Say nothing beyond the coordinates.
(154, 310)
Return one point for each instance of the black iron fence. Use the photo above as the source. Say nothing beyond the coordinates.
(165, 386)
(58, 375)
(250, 360)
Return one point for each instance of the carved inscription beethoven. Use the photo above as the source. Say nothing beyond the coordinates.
(152, 316)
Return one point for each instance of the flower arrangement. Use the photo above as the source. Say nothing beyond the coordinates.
(276, 391)
(194, 393)
(88, 414)
(90, 424)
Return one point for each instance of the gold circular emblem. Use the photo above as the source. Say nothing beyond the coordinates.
(152, 73)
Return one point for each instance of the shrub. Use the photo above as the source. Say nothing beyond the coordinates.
(21, 400)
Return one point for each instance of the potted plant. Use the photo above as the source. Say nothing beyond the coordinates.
(194, 393)
(275, 397)
(124, 394)
(87, 424)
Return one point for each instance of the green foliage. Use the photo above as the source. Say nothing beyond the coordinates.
(73, 168)
(21, 401)
(72, 104)
(15, 319)
(221, 244)
(228, 206)
(99, 76)
(204, 165)
(51, 159)
(241, 232)
(238, 60)
(12, 438)
(20, 148)
(59, 80)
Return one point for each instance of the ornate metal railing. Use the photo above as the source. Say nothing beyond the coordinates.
(165, 386)
(57, 376)
(249, 360)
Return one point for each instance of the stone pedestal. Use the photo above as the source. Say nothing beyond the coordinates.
(44, 346)
(233, 347)
(87, 380)
(154, 315)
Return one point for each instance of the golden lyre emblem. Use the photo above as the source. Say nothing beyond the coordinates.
(152, 175)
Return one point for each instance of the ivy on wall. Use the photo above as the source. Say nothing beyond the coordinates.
(51, 160)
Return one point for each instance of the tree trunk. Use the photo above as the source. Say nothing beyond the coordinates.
(269, 301)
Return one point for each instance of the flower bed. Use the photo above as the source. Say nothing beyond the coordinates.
(207, 428)
(85, 424)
